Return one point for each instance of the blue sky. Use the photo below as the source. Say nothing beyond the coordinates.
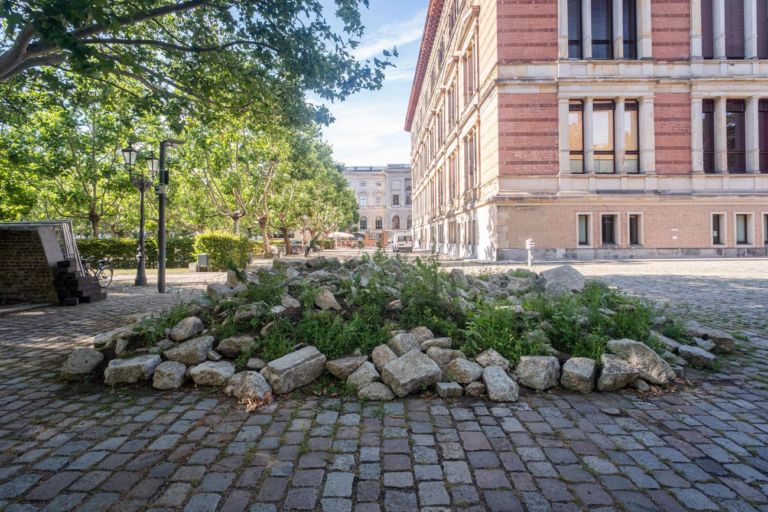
(369, 125)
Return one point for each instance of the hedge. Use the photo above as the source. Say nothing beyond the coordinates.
(224, 249)
(122, 251)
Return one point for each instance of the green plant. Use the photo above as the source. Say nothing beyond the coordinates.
(152, 329)
(426, 297)
(223, 249)
(497, 326)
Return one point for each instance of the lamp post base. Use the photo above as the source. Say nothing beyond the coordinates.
(140, 281)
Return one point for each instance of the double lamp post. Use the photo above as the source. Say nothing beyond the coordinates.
(157, 169)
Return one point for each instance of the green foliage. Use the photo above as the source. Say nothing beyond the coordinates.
(152, 329)
(426, 297)
(497, 326)
(122, 251)
(336, 336)
(269, 291)
(223, 249)
(675, 328)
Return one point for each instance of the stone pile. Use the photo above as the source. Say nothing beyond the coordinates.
(410, 361)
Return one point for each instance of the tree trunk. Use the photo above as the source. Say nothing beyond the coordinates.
(235, 224)
(286, 240)
(94, 218)
(263, 223)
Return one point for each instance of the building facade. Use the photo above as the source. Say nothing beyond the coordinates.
(597, 128)
(384, 199)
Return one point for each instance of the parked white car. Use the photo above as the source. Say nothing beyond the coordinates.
(402, 243)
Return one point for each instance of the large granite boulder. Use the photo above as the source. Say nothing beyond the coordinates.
(697, 356)
(169, 375)
(520, 284)
(192, 351)
(409, 372)
(538, 372)
(443, 356)
(650, 365)
(249, 386)
(235, 345)
(499, 386)
(668, 342)
(325, 300)
(616, 373)
(403, 342)
(363, 376)
(131, 371)
(295, 370)
(376, 391)
(248, 312)
(463, 371)
(343, 368)
(579, 374)
(436, 342)
(186, 329)
(81, 363)
(723, 341)
(422, 333)
(562, 279)
(492, 358)
(220, 291)
(212, 373)
(381, 355)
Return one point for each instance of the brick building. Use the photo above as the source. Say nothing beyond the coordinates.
(599, 128)
(383, 196)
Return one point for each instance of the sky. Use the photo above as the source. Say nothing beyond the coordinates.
(369, 125)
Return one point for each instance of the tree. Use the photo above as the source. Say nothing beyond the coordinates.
(207, 56)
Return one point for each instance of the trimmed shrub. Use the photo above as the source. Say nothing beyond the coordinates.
(224, 249)
(123, 251)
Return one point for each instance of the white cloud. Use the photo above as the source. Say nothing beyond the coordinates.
(392, 35)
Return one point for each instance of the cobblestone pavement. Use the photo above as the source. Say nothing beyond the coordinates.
(86, 447)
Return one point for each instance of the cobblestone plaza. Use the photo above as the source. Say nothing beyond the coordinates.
(702, 446)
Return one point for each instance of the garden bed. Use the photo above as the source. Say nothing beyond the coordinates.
(385, 327)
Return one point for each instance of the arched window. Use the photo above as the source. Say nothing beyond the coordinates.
(409, 222)
(363, 223)
(396, 222)
(363, 199)
(379, 223)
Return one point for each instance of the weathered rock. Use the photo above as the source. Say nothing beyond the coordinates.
(579, 374)
(641, 385)
(344, 367)
(169, 375)
(186, 329)
(249, 386)
(422, 333)
(499, 386)
(376, 391)
(538, 372)
(363, 376)
(220, 291)
(164, 345)
(562, 278)
(707, 345)
(649, 364)
(131, 371)
(295, 370)
(668, 342)
(121, 346)
(232, 279)
(192, 351)
(248, 312)
(212, 373)
(403, 342)
(697, 356)
(448, 389)
(289, 302)
(722, 340)
(458, 277)
(81, 363)
(616, 373)
(436, 342)
(520, 284)
(673, 359)
(463, 371)
(325, 300)
(106, 340)
(381, 355)
(394, 305)
(254, 363)
(235, 345)
(443, 356)
(409, 372)
(679, 371)
(475, 389)
(492, 358)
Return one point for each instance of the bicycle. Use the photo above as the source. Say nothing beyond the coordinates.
(102, 271)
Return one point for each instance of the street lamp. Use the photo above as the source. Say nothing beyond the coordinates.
(160, 191)
(130, 154)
